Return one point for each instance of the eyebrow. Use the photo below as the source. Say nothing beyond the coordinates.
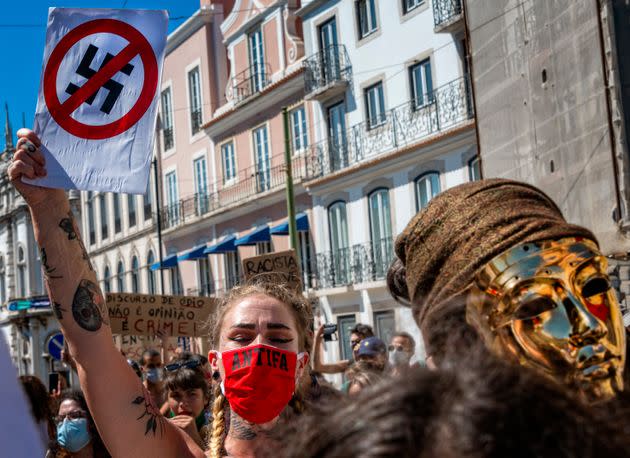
(244, 326)
(253, 326)
(277, 326)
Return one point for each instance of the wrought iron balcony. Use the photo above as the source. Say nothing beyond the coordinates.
(250, 82)
(178, 213)
(196, 121)
(409, 123)
(328, 72)
(357, 264)
(446, 13)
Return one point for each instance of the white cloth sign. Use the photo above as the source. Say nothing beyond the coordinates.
(97, 104)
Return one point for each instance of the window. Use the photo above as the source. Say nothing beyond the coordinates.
(131, 209)
(263, 161)
(385, 325)
(194, 96)
(339, 246)
(147, 201)
(120, 277)
(176, 281)
(201, 185)
(106, 280)
(299, 134)
(117, 215)
(263, 248)
(381, 232)
(3, 284)
(168, 139)
(427, 187)
(90, 217)
(21, 267)
(205, 277)
(232, 269)
(171, 198)
(337, 140)
(474, 171)
(306, 261)
(151, 273)
(135, 275)
(256, 60)
(229, 162)
(409, 5)
(366, 16)
(421, 84)
(375, 104)
(345, 324)
(104, 216)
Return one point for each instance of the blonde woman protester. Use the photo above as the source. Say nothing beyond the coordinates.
(260, 337)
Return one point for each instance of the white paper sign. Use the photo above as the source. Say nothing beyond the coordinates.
(97, 103)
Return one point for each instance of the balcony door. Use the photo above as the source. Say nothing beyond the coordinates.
(339, 246)
(381, 231)
(338, 143)
(256, 60)
(263, 161)
(329, 51)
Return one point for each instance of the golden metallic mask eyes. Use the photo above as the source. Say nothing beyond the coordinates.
(549, 306)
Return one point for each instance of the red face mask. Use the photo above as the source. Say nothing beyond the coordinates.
(259, 381)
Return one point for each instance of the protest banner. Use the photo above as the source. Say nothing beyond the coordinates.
(279, 267)
(97, 106)
(134, 346)
(146, 314)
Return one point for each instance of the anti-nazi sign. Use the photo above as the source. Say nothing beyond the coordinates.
(97, 106)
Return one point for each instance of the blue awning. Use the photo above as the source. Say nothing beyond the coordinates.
(301, 220)
(167, 262)
(224, 246)
(195, 253)
(259, 234)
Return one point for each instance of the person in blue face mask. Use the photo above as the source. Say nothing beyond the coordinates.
(152, 375)
(77, 436)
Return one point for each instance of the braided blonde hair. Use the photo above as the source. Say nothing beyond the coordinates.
(302, 312)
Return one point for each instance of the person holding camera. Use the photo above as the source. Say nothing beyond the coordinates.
(325, 332)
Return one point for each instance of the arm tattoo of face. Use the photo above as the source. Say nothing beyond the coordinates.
(240, 429)
(69, 227)
(48, 271)
(88, 307)
(151, 413)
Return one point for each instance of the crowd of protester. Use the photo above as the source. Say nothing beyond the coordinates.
(525, 343)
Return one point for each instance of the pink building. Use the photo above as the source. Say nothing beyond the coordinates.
(223, 169)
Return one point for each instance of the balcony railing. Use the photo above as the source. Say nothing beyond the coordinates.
(357, 264)
(445, 11)
(441, 109)
(249, 183)
(327, 68)
(250, 81)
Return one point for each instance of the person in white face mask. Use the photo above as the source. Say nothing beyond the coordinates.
(401, 349)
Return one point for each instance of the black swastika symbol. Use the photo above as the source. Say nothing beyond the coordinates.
(113, 87)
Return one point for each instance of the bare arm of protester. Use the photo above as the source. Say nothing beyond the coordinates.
(127, 421)
(318, 366)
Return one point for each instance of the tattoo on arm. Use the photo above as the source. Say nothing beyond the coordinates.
(240, 429)
(88, 307)
(152, 415)
(68, 225)
(57, 310)
(48, 271)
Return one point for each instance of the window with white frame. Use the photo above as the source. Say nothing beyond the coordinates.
(135, 275)
(120, 277)
(201, 180)
(194, 98)
(474, 171)
(421, 84)
(263, 159)
(151, 274)
(172, 199)
(104, 216)
(299, 134)
(168, 134)
(21, 268)
(117, 214)
(410, 5)
(229, 161)
(375, 104)
(131, 209)
(427, 187)
(381, 231)
(232, 269)
(107, 287)
(256, 60)
(206, 286)
(366, 17)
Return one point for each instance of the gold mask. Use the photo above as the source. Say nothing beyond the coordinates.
(549, 306)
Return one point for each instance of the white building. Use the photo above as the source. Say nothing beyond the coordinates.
(393, 127)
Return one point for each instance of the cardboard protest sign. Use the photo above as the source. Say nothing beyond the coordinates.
(280, 267)
(134, 346)
(146, 314)
(97, 105)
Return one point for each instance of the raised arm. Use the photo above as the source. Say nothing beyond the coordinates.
(126, 419)
(318, 366)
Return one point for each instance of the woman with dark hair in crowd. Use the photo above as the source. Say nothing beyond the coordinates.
(484, 408)
(494, 260)
(188, 397)
(77, 436)
(41, 407)
(260, 342)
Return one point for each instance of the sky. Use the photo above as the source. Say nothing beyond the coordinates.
(22, 40)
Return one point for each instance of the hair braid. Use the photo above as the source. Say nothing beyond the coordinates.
(218, 424)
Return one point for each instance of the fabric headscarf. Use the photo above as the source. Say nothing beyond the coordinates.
(461, 230)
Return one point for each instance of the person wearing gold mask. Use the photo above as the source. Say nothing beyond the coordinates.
(494, 260)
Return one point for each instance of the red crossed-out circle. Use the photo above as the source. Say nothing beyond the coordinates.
(62, 112)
